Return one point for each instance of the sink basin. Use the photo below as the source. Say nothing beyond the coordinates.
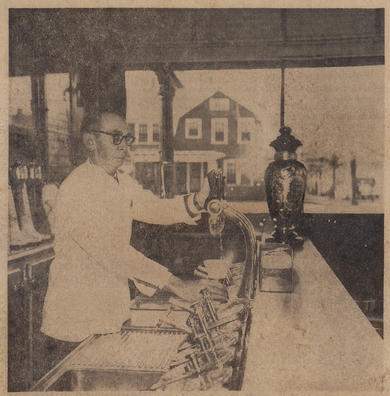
(104, 380)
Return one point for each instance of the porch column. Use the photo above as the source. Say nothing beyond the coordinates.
(168, 84)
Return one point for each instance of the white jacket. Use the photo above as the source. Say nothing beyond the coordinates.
(88, 281)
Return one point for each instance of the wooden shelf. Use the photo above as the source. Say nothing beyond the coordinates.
(32, 256)
(30, 251)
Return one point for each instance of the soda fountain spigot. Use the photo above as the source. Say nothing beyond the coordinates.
(214, 203)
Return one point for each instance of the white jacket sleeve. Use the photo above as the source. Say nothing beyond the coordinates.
(91, 227)
(150, 209)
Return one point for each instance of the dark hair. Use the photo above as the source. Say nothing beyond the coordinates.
(91, 122)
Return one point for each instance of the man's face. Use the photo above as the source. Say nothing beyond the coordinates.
(107, 154)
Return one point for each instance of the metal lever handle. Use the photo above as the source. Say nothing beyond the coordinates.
(217, 185)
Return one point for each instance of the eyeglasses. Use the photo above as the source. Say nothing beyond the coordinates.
(117, 137)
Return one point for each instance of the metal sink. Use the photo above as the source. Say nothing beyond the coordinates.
(104, 380)
(132, 359)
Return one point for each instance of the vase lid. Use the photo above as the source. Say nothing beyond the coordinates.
(285, 141)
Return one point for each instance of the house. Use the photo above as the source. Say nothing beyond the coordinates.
(219, 132)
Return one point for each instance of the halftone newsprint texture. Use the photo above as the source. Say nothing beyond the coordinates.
(115, 115)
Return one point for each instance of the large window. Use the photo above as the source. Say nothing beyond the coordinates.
(193, 128)
(219, 130)
(343, 136)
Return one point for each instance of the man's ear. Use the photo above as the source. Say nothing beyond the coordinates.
(89, 142)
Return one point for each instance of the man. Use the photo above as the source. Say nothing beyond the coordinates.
(88, 282)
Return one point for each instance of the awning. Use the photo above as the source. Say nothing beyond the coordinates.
(145, 155)
(197, 155)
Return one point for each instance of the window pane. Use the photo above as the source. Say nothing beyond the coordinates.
(219, 136)
(143, 137)
(143, 133)
(219, 126)
(245, 181)
(346, 127)
(219, 129)
(245, 136)
(195, 177)
(131, 128)
(58, 108)
(21, 125)
(181, 176)
(57, 102)
(156, 133)
(20, 98)
(205, 168)
(231, 173)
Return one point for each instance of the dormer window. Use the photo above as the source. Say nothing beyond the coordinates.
(219, 104)
(193, 128)
(219, 131)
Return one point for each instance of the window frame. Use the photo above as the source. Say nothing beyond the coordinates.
(188, 126)
(139, 133)
(214, 121)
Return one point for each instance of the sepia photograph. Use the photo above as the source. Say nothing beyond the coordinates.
(196, 200)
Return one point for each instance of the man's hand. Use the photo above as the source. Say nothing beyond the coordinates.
(190, 290)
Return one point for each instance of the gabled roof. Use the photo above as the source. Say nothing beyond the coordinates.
(243, 111)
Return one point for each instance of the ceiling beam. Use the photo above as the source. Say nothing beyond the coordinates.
(134, 39)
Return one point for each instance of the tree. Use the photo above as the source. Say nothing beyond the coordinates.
(334, 163)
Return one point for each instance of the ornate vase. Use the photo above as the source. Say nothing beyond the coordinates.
(285, 181)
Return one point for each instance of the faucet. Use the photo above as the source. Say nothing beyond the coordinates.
(218, 209)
